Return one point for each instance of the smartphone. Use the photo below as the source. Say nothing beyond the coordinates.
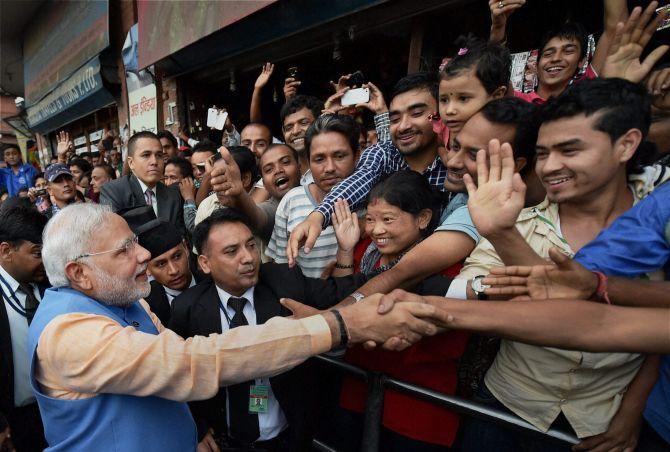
(666, 22)
(292, 72)
(356, 96)
(356, 79)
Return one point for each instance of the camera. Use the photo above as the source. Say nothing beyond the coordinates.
(292, 72)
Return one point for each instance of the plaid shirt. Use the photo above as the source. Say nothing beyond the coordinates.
(377, 160)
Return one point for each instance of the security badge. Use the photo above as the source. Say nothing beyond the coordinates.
(258, 398)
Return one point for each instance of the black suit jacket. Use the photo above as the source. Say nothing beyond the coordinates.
(196, 312)
(7, 360)
(125, 192)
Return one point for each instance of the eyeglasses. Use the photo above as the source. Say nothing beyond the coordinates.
(127, 247)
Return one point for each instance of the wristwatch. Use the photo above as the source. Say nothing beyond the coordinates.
(357, 296)
(478, 287)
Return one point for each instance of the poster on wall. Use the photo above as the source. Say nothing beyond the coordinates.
(142, 102)
(143, 112)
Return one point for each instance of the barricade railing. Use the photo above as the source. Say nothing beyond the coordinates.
(374, 408)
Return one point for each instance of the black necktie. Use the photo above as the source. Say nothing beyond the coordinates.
(31, 301)
(243, 425)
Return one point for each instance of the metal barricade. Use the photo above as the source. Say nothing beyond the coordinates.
(374, 408)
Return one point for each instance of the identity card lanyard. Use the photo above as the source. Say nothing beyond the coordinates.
(258, 394)
(13, 302)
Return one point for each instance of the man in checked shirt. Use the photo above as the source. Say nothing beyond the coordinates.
(413, 146)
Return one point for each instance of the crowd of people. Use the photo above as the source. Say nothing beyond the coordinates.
(169, 299)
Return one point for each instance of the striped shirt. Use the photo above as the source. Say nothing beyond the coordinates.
(293, 209)
(377, 160)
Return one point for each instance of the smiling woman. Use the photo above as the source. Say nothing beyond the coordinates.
(402, 210)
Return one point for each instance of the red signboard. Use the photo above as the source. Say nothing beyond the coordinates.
(166, 27)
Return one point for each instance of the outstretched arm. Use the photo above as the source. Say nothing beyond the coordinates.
(570, 324)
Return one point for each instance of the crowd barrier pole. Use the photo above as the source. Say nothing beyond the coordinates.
(375, 407)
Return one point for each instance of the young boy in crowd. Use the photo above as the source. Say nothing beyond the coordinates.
(562, 51)
(16, 175)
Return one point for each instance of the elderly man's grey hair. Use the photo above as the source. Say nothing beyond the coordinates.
(69, 234)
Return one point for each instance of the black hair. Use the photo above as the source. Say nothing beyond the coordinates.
(6, 146)
(568, 30)
(410, 192)
(185, 153)
(167, 134)
(20, 224)
(245, 159)
(275, 145)
(83, 164)
(491, 62)
(342, 124)
(138, 136)
(623, 105)
(218, 217)
(521, 114)
(38, 176)
(184, 166)
(297, 103)
(108, 143)
(259, 124)
(417, 80)
(87, 174)
(108, 169)
(205, 146)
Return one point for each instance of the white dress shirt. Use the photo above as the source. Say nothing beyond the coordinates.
(274, 421)
(144, 188)
(18, 329)
(172, 293)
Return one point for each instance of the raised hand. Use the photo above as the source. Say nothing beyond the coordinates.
(376, 104)
(566, 278)
(499, 196)
(630, 39)
(264, 77)
(304, 234)
(500, 12)
(291, 87)
(63, 139)
(341, 83)
(345, 224)
(658, 85)
(333, 104)
(225, 176)
(187, 189)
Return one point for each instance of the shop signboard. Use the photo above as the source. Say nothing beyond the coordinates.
(77, 96)
(59, 40)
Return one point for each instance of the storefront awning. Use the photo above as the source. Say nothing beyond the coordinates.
(80, 94)
(166, 27)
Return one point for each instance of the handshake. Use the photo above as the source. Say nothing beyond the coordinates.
(378, 320)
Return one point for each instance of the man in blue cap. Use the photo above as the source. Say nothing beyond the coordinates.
(61, 187)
